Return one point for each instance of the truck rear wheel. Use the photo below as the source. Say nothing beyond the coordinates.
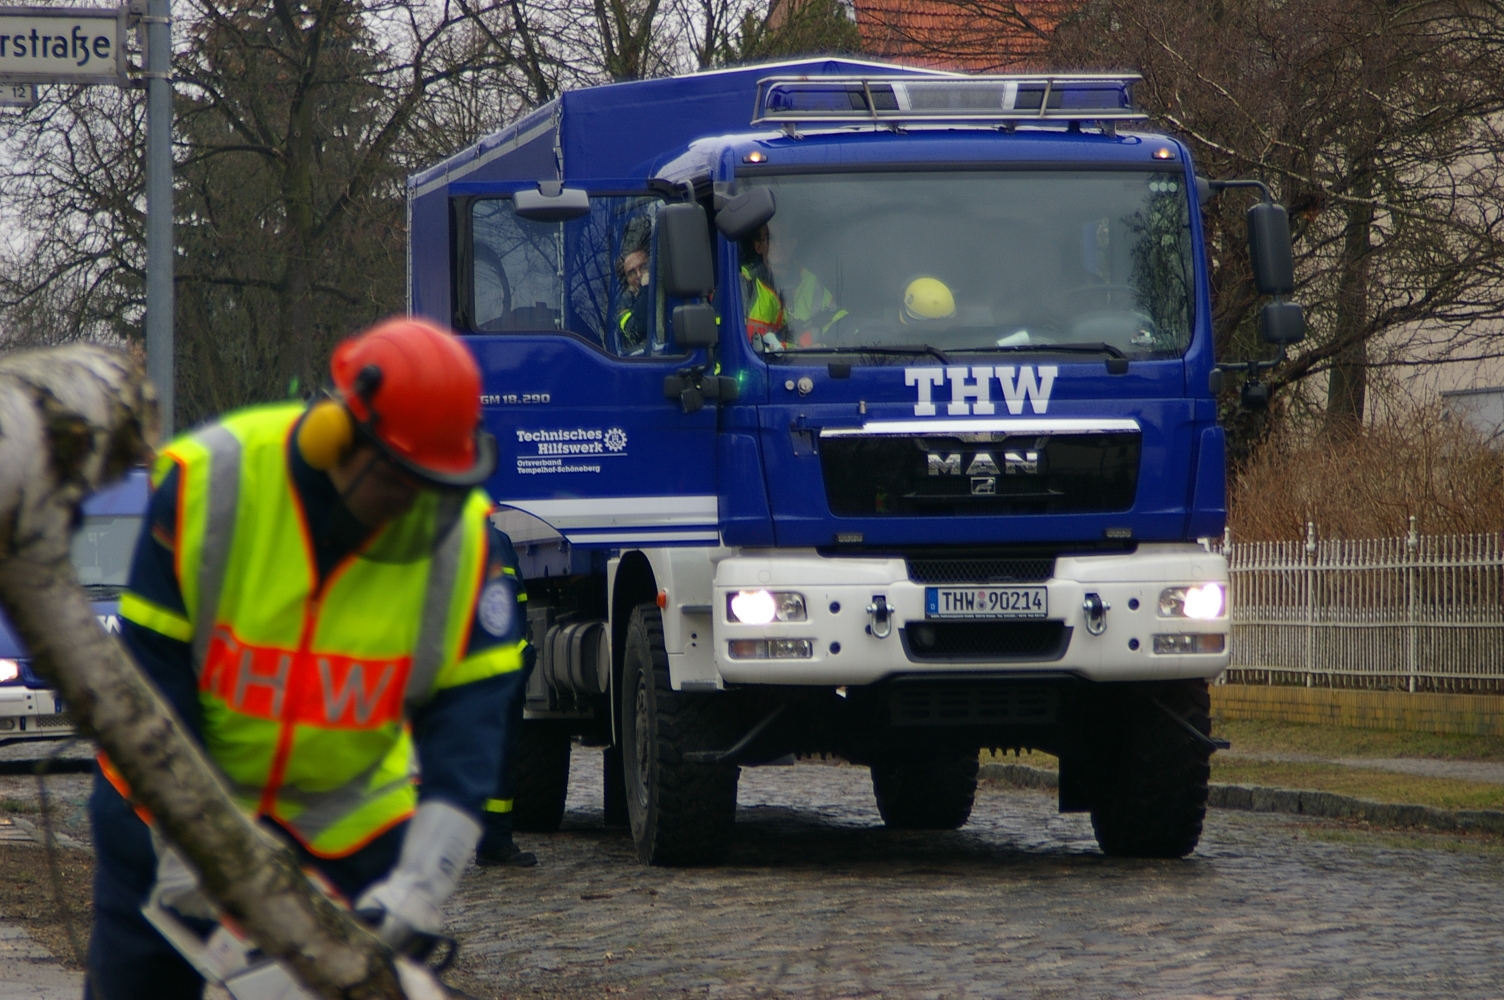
(931, 793)
(681, 813)
(1149, 796)
(542, 777)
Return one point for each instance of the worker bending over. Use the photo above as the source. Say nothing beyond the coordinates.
(320, 596)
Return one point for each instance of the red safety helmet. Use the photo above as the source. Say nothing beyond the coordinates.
(414, 390)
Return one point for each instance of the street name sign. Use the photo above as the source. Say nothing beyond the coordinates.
(63, 45)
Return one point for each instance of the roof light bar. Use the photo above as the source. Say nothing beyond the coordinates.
(791, 100)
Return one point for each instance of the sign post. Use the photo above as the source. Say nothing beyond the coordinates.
(86, 45)
(159, 307)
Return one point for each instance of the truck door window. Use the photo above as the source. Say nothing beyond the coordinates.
(592, 276)
(972, 262)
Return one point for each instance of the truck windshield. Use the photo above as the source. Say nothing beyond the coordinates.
(972, 262)
(102, 550)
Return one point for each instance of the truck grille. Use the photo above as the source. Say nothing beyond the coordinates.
(981, 570)
(993, 642)
(972, 705)
(941, 475)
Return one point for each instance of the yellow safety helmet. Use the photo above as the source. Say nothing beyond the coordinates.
(927, 299)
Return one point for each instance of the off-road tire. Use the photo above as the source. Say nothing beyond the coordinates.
(1149, 795)
(681, 813)
(542, 777)
(933, 793)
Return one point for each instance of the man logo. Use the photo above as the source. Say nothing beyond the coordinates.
(971, 388)
(945, 465)
(1025, 462)
(1020, 462)
(983, 486)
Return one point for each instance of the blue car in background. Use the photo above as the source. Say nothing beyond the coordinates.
(102, 550)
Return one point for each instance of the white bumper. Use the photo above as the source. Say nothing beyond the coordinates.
(845, 650)
(31, 714)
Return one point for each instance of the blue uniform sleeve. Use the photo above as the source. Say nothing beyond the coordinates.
(167, 662)
(462, 731)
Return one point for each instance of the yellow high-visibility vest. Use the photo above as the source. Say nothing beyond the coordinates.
(306, 689)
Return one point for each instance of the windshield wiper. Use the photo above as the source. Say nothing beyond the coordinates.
(1096, 347)
(934, 352)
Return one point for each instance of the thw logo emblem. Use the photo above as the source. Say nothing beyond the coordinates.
(971, 388)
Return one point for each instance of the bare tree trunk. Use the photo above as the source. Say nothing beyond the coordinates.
(1347, 382)
(70, 420)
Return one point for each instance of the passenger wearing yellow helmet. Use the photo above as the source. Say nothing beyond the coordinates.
(927, 302)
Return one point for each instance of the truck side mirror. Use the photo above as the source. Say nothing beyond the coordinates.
(745, 214)
(695, 325)
(551, 201)
(1283, 323)
(686, 267)
(1269, 249)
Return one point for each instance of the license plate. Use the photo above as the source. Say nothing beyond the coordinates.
(986, 602)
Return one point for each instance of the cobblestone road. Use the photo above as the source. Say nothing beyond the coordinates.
(818, 900)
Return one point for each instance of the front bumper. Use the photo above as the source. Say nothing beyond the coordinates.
(31, 714)
(846, 649)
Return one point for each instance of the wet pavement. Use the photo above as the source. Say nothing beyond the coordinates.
(818, 900)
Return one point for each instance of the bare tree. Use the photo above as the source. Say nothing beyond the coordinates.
(1378, 125)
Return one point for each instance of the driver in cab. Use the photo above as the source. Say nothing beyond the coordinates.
(776, 320)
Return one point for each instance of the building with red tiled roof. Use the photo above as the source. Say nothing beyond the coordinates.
(974, 36)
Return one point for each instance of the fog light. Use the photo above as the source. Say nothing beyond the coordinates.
(761, 607)
(771, 649)
(1213, 642)
(10, 670)
(7, 724)
(1203, 602)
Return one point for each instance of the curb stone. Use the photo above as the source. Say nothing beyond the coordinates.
(1297, 802)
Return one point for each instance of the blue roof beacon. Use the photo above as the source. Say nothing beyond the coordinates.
(856, 409)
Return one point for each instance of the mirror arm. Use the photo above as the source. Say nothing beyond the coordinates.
(1218, 186)
(1252, 367)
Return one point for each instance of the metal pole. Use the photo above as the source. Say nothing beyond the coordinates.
(159, 308)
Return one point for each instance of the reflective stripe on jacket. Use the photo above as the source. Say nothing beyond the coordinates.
(305, 689)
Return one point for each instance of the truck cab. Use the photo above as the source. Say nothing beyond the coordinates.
(880, 421)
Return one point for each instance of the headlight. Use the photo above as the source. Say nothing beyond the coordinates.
(761, 607)
(1205, 601)
(10, 670)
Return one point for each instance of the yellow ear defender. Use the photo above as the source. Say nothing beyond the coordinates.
(327, 435)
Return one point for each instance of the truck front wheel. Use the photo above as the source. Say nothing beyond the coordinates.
(1149, 798)
(681, 813)
(927, 793)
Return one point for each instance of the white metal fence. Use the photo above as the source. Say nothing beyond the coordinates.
(1418, 613)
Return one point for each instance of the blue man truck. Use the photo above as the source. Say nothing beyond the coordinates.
(849, 408)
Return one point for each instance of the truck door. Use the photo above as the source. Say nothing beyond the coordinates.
(571, 332)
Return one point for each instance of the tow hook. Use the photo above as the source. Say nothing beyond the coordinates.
(1096, 613)
(879, 617)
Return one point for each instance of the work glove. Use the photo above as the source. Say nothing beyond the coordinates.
(177, 885)
(440, 841)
